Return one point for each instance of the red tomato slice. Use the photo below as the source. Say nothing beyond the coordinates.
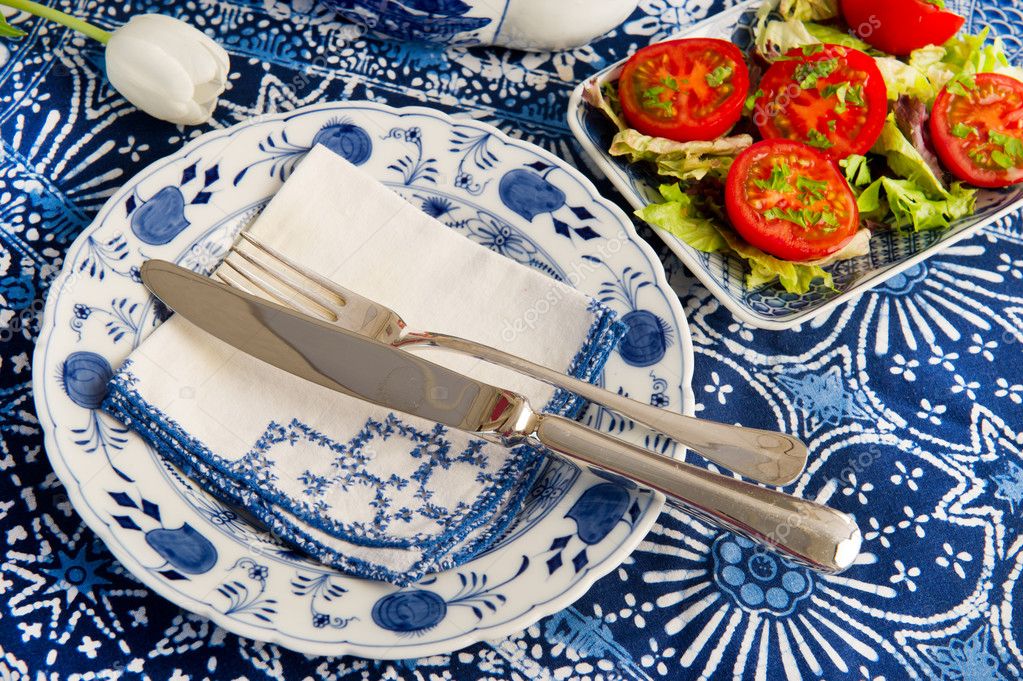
(900, 26)
(977, 128)
(788, 200)
(828, 96)
(689, 89)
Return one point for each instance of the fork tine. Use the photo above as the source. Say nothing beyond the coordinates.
(223, 277)
(286, 279)
(310, 306)
(322, 281)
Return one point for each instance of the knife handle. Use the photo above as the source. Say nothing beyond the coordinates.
(804, 531)
(762, 455)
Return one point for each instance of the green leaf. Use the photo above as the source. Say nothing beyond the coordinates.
(901, 78)
(815, 138)
(679, 216)
(682, 160)
(794, 277)
(857, 171)
(8, 31)
(774, 38)
(778, 180)
(911, 208)
(871, 203)
(1002, 158)
(719, 75)
(835, 36)
(1011, 146)
(963, 56)
(962, 84)
(962, 131)
(808, 73)
(905, 160)
(807, 10)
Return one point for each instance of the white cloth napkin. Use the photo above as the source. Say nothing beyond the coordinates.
(376, 494)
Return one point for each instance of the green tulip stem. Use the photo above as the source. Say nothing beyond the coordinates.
(62, 18)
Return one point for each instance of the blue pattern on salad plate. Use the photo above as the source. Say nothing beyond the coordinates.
(508, 195)
(769, 306)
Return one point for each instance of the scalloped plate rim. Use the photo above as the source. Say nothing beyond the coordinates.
(162, 588)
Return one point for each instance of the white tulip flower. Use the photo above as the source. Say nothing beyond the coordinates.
(160, 64)
(167, 68)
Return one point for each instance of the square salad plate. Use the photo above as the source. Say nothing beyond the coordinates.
(769, 306)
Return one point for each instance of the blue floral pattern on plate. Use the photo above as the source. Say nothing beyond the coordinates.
(505, 194)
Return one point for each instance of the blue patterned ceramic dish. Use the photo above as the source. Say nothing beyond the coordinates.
(522, 24)
(769, 306)
(575, 525)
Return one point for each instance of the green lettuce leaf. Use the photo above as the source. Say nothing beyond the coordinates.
(776, 37)
(773, 37)
(905, 205)
(857, 172)
(906, 161)
(930, 61)
(679, 215)
(973, 54)
(683, 160)
(964, 54)
(835, 36)
(794, 277)
(901, 78)
(917, 199)
(807, 10)
(872, 203)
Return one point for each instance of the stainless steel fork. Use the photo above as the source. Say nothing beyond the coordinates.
(763, 455)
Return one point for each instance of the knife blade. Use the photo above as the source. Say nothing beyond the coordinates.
(338, 359)
(335, 358)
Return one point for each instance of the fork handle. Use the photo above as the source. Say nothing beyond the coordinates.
(762, 455)
(804, 531)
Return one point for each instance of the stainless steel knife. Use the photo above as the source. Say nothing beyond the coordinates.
(804, 531)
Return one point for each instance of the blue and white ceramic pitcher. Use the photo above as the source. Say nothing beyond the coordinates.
(522, 24)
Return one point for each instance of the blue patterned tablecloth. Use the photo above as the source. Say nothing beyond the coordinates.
(911, 399)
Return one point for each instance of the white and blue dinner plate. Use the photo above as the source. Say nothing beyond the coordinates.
(770, 306)
(576, 525)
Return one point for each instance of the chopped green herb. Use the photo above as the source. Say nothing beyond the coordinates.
(652, 100)
(804, 217)
(816, 139)
(1012, 146)
(812, 49)
(808, 73)
(669, 81)
(751, 101)
(832, 124)
(940, 4)
(813, 189)
(961, 84)
(855, 95)
(778, 180)
(1002, 158)
(963, 131)
(719, 75)
(839, 90)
